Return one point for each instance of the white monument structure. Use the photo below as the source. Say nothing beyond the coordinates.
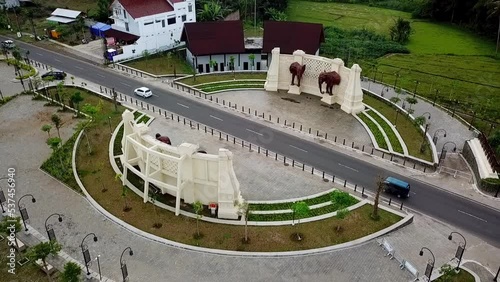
(347, 94)
(180, 171)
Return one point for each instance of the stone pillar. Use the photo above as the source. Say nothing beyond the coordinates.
(229, 186)
(271, 83)
(298, 57)
(353, 96)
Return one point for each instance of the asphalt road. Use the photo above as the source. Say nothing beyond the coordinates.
(465, 214)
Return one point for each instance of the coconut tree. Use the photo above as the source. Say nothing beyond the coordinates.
(42, 251)
(47, 128)
(198, 208)
(300, 210)
(380, 187)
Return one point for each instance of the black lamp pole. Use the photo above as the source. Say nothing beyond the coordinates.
(461, 249)
(23, 211)
(415, 91)
(123, 265)
(434, 136)
(48, 228)
(86, 253)
(430, 266)
(444, 147)
(422, 148)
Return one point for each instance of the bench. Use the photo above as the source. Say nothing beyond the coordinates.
(406, 265)
(390, 250)
(48, 270)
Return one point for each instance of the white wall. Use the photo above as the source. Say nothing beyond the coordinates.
(180, 171)
(239, 60)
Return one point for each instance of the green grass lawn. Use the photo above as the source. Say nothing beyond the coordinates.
(462, 276)
(348, 16)
(200, 79)
(379, 137)
(160, 64)
(393, 139)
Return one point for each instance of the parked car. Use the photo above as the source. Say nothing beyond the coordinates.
(8, 44)
(58, 75)
(143, 92)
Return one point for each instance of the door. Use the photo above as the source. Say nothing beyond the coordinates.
(216, 67)
(258, 65)
(221, 66)
(207, 68)
(200, 68)
(245, 65)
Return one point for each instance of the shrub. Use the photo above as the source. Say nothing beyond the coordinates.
(490, 184)
(342, 199)
(341, 214)
(71, 272)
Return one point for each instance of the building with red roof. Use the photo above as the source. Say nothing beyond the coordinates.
(152, 25)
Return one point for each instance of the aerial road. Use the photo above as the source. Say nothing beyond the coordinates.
(456, 210)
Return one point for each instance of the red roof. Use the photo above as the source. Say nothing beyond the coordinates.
(291, 36)
(209, 38)
(120, 35)
(143, 8)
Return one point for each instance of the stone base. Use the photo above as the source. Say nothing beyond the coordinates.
(271, 86)
(225, 213)
(294, 89)
(327, 99)
(355, 109)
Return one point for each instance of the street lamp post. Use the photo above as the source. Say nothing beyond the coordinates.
(496, 276)
(435, 97)
(435, 136)
(443, 150)
(415, 91)
(123, 264)
(461, 248)
(396, 81)
(99, 267)
(49, 229)
(430, 264)
(86, 253)
(23, 211)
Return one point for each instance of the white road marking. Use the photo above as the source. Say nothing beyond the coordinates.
(471, 215)
(216, 117)
(182, 105)
(258, 133)
(298, 148)
(125, 84)
(57, 60)
(100, 75)
(39, 54)
(78, 67)
(348, 167)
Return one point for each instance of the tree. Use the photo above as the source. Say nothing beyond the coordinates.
(494, 141)
(103, 10)
(400, 31)
(380, 187)
(412, 101)
(300, 210)
(198, 208)
(447, 272)
(57, 122)
(47, 128)
(251, 57)
(212, 64)
(77, 98)
(244, 211)
(42, 251)
(54, 143)
(126, 206)
(395, 99)
(494, 11)
(420, 120)
(71, 272)
(276, 15)
(61, 94)
(93, 111)
(211, 11)
(153, 198)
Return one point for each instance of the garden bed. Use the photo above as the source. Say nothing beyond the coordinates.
(379, 136)
(200, 79)
(393, 139)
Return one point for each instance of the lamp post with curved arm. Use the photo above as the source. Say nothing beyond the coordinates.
(430, 265)
(48, 228)
(435, 135)
(2, 195)
(23, 211)
(461, 247)
(86, 253)
(429, 117)
(443, 150)
(123, 265)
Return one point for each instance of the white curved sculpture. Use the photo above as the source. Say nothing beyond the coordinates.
(348, 94)
(180, 171)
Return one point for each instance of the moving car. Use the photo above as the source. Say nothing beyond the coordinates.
(143, 92)
(59, 75)
(8, 44)
(397, 187)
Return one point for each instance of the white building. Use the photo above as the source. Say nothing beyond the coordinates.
(218, 42)
(157, 25)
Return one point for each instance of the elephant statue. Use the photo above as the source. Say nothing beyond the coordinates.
(330, 78)
(297, 70)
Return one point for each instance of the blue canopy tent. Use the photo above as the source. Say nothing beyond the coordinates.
(99, 28)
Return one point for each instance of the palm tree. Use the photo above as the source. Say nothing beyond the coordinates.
(380, 187)
(494, 11)
(211, 11)
(47, 128)
(42, 251)
(56, 120)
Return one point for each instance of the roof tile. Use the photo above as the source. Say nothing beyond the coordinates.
(222, 37)
(291, 36)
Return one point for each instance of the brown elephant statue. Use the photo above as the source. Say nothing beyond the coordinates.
(297, 70)
(330, 78)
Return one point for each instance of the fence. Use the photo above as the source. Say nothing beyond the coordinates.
(287, 161)
(490, 154)
(397, 159)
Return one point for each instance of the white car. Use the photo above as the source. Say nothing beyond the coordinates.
(143, 92)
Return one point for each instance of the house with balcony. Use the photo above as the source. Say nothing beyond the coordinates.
(152, 25)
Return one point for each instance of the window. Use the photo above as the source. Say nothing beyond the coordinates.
(190, 8)
(162, 23)
(183, 18)
(171, 21)
(148, 23)
(124, 13)
(263, 57)
(126, 26)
